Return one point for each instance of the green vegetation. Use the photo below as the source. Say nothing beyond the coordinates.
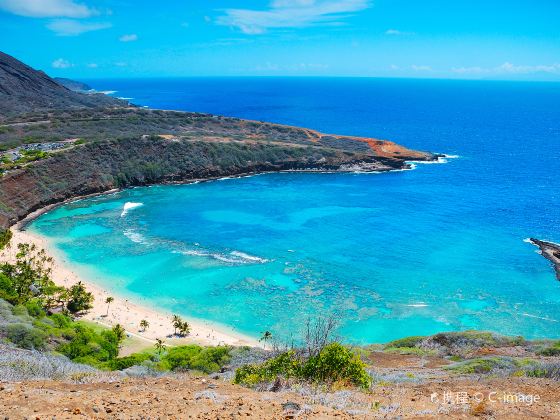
(28, 282)
(108, 301)
(180, 326)
(407, 342)
(553, 350)
(203, 359)
(267, 336)
(410, 350)
(473, 338)
(87, 346)
(333, 364)
(26, 156)
(144, 324)
(31, 155)
(28, 294)
(159, 346)
(25, 336)
(28, 326)
(544, 370)
(488, 365)
(79, 299)
(457, 343)
(409, 345)
(5, 237)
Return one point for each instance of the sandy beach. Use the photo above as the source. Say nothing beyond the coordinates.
(122, 310)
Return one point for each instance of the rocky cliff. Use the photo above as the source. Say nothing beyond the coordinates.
(551, 252)
(101, 166)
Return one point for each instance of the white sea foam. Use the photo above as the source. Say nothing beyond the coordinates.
(248, 257)
(108, 92)
(134, 236)
(540, 317)
(417, 305)
(234, 257)
(129, 206)
(441, 159)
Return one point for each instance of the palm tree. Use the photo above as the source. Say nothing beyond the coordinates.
(144, 325)
(160, 345)
(108, 301)
(176, 321)
(184, 329)
(267, 335)
(120, 332)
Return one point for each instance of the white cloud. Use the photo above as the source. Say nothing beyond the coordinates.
(61, 63)
(291, 14)
(397, 32)
(121, 64)
(509, 68)
(128, 38)
(394, 67)
(68, 27)
(93, 65)
(420, 68)
(47, 8)
(297, 67)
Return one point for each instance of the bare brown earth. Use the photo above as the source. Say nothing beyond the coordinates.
(406, 387)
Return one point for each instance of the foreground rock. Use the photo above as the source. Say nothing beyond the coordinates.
(551, 252)
(189, 396)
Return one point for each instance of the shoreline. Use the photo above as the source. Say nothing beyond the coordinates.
(128, 311)
(125, 311)
(409, 166)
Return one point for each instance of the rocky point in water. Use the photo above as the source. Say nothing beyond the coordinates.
(551, 252)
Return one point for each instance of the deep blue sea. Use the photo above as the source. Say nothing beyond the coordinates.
(406, 253)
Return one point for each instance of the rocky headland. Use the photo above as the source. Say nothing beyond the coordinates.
(551, 252)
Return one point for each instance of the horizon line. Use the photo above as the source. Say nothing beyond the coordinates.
(305, 77)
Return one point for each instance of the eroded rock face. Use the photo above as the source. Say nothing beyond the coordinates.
(98, 167)
(551, 252)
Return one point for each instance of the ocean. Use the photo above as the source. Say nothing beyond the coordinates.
(416, 252)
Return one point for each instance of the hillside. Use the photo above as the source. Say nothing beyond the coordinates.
(73, 84)
(101, 166)
(23, 89)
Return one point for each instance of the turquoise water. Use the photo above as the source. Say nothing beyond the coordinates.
(405, 253)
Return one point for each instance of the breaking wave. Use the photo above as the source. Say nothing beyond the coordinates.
(129, 206)
(233, 257)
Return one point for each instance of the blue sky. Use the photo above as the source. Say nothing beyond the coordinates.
(510, 40)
